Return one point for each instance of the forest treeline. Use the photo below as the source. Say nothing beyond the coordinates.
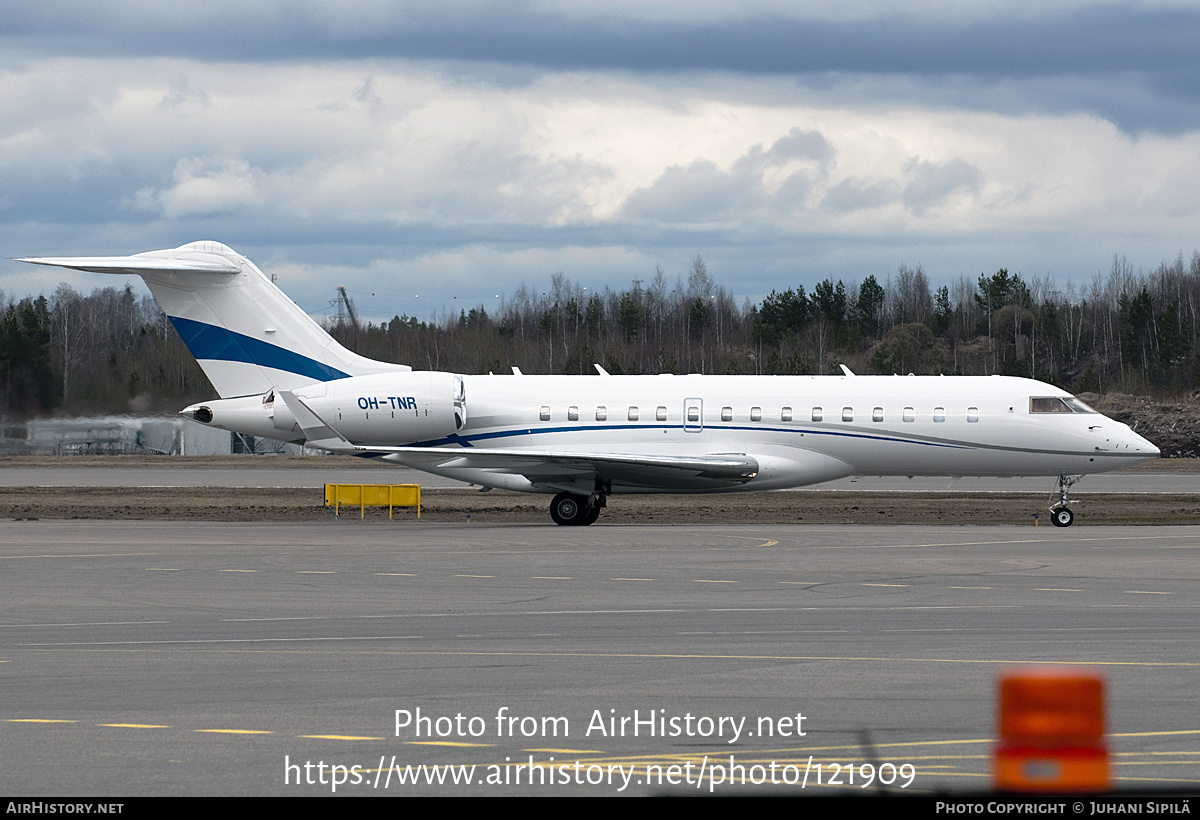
(1125, 330)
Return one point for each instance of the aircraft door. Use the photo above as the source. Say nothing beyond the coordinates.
(693, 415)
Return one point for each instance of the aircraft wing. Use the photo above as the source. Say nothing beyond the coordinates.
(671, 472)
(714, 471)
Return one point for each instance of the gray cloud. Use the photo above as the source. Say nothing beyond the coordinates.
(700, 191)
(1149, 49)
(1074, 39)
(182, 92)
(1080, 37)
(930, 184)
(859, 195)
(695, 192)
(801, 144)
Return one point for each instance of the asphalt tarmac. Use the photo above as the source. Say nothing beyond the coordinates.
(171, 473)
(172, 658)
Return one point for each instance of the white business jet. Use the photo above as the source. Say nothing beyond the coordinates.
(582, 438)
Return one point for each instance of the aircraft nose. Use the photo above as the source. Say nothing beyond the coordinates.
(1147, 447)
(1137, 444)
(1120, 439)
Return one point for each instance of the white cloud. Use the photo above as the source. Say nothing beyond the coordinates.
(205, 186)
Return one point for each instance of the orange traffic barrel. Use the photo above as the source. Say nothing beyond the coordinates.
(1051, 732)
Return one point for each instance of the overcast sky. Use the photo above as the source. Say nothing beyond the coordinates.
(459, 149)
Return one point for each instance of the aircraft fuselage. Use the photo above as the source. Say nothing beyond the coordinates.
(800, 429)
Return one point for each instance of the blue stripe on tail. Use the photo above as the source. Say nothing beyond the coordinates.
(211, 342)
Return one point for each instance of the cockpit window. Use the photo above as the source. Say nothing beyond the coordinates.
(1057, 404)
(1048, 404)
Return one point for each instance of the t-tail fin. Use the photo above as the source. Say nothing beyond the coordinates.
(245, 333)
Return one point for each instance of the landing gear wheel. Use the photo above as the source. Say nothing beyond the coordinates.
(592, 514)
(1060, 513)
(569, 509)
(1062, 517)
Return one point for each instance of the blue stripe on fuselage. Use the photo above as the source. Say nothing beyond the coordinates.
(211, 342)
(469, 439)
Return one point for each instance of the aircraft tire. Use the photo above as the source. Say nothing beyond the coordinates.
(592, 514)
(569, 509)
(1062, 517)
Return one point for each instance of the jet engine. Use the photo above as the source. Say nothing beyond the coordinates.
(389, 409)
(383, 409)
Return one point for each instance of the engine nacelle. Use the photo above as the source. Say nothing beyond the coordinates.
(390, 408)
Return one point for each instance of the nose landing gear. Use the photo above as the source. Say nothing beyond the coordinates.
(1060, 513)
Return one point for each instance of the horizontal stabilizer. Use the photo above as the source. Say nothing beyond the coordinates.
(136, 265)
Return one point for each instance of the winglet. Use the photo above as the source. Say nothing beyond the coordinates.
(845, 370)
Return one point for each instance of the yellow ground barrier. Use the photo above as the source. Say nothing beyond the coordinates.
(372, 495)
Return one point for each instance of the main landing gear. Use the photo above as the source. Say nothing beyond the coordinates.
(575, 510)
(1060, 513)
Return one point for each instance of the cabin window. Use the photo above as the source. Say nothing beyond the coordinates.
(785, 414)
(572, 413)
(633, 413)
(602, 413)
(661, 413)
(909, 414)
(877, 414)
(544, 413)
(847, 414)
(818, 414)
(693, 414)
(939, 414)
(755, 414)
(726, 414)
(972, 414)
